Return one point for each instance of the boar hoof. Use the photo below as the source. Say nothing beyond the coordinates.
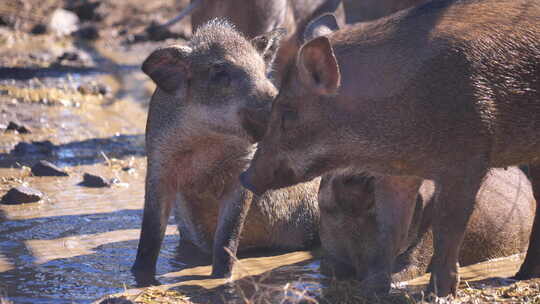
(443, 288)
(526, 273)
(144, 276)
(334, 268)
(377, 284)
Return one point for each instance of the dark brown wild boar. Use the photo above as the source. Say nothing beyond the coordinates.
(444, 91)
(197, 145)
(499, 226)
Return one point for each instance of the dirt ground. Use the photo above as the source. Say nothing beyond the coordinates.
(84, 100)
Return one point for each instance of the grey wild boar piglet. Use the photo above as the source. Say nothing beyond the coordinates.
(499, 226)
(207, 93)
(444, 91)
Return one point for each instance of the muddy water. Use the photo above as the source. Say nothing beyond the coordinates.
(78, 243)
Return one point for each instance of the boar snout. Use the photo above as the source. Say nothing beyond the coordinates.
(260, 179)
(245, 179)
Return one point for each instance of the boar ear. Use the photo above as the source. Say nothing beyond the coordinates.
(318, 67)
(321, 26)
(268, 44)
(169, 68)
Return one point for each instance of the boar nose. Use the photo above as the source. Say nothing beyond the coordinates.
(258, 179)
(267, 91)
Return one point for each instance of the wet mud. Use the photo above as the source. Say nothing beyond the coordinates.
(85, 105)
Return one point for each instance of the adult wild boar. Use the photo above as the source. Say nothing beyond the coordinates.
(499, 226)
(444, 91)
(207, 93)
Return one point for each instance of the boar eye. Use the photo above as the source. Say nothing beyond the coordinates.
(288, 117)
(220, 76)
(331, 210)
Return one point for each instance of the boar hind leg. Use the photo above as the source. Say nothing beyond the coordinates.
(456, 196)
(157, 208)
(531, 266)
(232, 214)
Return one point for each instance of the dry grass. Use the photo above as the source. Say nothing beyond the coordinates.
(156, 295)
(256, 290)
(150, 295)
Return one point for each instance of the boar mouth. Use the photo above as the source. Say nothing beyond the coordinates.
(280, 177)
(244, 180)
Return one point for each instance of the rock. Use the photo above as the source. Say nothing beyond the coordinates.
(63, 22)
(21, 195)
(39, 29)
(88, 32)
(43, 147)
(94, 181)
(8, 21)
(129, 170)
(13, 126)
(68, 56)
(93, 88)
(45, 168)
(85, 10)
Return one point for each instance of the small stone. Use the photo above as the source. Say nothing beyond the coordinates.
(93, 88)
(44, 147)
(8, 21)
(63, 22)
(45, 168)
(21, 195)
(94, 181)
(89, 32)
(39, 29)
(68, 56)
(128, 170)
(13, 126)
(66, 102)
(85, 10)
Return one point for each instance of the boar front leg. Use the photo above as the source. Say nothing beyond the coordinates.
(232, 214)
(531, 266)
(158, 200)
(455, 200)
(395, 200)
